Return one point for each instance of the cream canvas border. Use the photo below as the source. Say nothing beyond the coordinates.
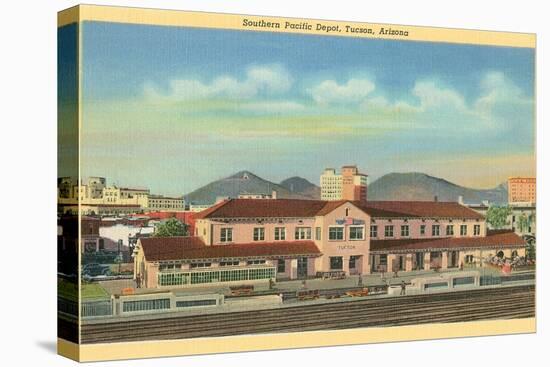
(235, 21)
(181, 347)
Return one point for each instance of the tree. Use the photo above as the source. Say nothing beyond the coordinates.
(523, 223)
(497, 216)
(170, 228)
(531, 250)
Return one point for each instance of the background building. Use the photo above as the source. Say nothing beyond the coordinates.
(125, 196)
(95, 186)
(96, 198)
(349, 185)
(249, 195)
(165, 203)
(522, 190)
(522, 218)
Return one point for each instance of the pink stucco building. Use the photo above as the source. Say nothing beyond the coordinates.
(252, 239)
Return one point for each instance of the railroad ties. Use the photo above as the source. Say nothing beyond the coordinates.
(481, 304)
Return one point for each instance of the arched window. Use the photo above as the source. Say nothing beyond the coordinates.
(500, 254)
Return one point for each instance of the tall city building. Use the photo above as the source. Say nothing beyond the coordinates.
(348, 185)
(522, 190)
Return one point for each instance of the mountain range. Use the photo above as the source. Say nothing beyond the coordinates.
(392, 186)
(420, 186)
(245, 182)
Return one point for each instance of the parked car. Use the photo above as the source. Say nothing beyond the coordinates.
(94, 269)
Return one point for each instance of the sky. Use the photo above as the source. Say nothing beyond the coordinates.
(174, 108)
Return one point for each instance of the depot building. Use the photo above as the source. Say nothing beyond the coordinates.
(249, 240)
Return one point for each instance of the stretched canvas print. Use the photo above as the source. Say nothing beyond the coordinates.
(238, 182)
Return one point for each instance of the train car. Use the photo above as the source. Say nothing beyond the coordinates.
(141, 304)
(443, 282)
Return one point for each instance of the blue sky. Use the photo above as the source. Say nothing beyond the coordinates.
(175, 108)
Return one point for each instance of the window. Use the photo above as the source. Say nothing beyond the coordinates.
(226, 235)
(196, 303)
(146, 305)
(209, 276)
(335, 233)
(336, 263)
(259, 234)
(302, 233)
(423, 230)
(356, 233)
(255, 262)
(436, 285)
(463, 281)
(229, 263)
(200, 265)
(169, 267)
(373, 231)
(435, 230)
(463, 229)
(318, 233)
(469, 259)
(405, 231)
(477, 230)
(450, 230)
(281, 266)
(280, 233)
(383, 259)
(388, 231)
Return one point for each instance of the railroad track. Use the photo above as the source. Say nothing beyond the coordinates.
(500, 303)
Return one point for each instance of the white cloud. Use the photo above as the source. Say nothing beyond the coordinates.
(429, 104)
(259, 80)
(329, 91)
(501, 104)
(273, 79)
(499, 92)
(433, 96)
(496, 81)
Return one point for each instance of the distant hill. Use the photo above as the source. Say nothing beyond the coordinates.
(420, 186)
(239, 183)
(393, 186)
(301, 186)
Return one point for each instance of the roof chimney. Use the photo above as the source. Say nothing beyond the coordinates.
(460, 199)
(435, 198)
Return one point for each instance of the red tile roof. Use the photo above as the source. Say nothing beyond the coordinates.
(168, 248)
(431, 209)
(493, 239)
(207, 212)
(332, 205)
(264, 208)
(192, 248)
(293, 208)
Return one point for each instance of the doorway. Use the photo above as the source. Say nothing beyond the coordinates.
(419, 261)
(302, 267)
(453, 259)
